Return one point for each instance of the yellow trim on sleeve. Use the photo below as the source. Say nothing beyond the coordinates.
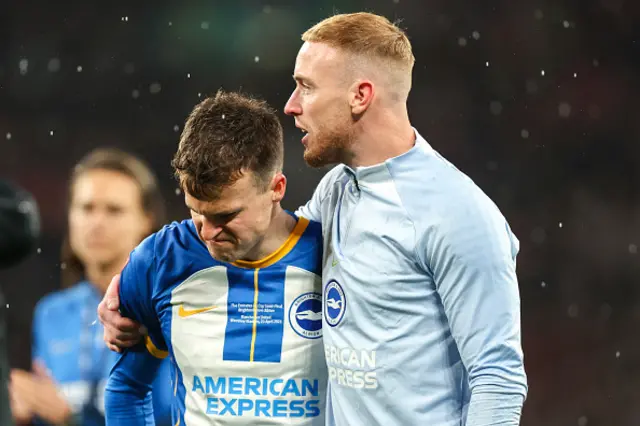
(158, 353)
(255, 314)
(281, 252)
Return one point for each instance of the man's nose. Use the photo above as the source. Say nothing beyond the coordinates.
(210, 230)
(292, 107)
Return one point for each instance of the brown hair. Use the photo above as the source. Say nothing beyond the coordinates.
(225, 136)
(72, 268)
(364, 34)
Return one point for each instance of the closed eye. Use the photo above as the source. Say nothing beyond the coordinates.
(225, 217)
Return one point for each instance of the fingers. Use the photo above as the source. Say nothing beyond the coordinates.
(113, 347)
(20, 409)
(41, 370)
(48, 403)
(114, 320)
(116, 340)
(119, 332)
(111, 295)
(22, 384)
(19, 375)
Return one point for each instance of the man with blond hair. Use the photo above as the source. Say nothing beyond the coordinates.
(421, 303)
(421, 306)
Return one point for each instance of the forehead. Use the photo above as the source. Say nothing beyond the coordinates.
(105, 186)
(230, 197)
(317, 58)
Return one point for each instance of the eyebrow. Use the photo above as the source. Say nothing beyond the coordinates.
(216, 214)
(301, 79)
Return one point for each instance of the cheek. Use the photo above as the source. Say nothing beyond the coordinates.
(197, 222)
(312, 102)
(77, 228)
(309, 103)
(128, 231)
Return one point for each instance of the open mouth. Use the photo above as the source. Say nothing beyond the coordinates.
(305, 132)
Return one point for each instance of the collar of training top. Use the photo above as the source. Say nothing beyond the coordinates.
(379, 172)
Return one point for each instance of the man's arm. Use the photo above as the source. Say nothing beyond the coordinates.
(127, 397)
(472, 257)
(128, 391)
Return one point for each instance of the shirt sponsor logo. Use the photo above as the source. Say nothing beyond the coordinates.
(350, 367)
(259, 396)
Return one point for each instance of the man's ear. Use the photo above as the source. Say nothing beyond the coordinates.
(278, 187)
(361, 95)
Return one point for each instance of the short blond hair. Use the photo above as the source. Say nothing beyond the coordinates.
(364, 34)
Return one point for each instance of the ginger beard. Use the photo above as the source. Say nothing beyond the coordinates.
(330, 143)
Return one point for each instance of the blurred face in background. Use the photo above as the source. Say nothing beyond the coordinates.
(106, 218)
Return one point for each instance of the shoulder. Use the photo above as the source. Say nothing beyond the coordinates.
(311, 240)
(449, 212)
(176, 235)
(313, 230)
(333, 175)
(176, 232)
(328, 181)
(303, 248)
(168, 257)
(433, 191)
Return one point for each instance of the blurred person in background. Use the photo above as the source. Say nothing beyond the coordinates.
(114, 203)
(19, 229)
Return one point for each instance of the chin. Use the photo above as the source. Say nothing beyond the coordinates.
(315, 161)
(223, 256)
(99, 256)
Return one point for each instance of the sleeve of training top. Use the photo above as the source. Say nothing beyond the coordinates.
(472, 255)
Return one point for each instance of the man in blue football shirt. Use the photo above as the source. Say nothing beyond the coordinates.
(421, 302)
(233, 295)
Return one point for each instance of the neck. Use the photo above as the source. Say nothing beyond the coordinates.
(100, 275)
(279, 230)
(386, 134)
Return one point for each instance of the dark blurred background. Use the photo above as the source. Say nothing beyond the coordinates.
(536, 100)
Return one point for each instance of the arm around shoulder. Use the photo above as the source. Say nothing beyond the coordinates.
(313, 209)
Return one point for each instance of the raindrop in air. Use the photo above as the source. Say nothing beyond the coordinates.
(154, 88)
(23, 65)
